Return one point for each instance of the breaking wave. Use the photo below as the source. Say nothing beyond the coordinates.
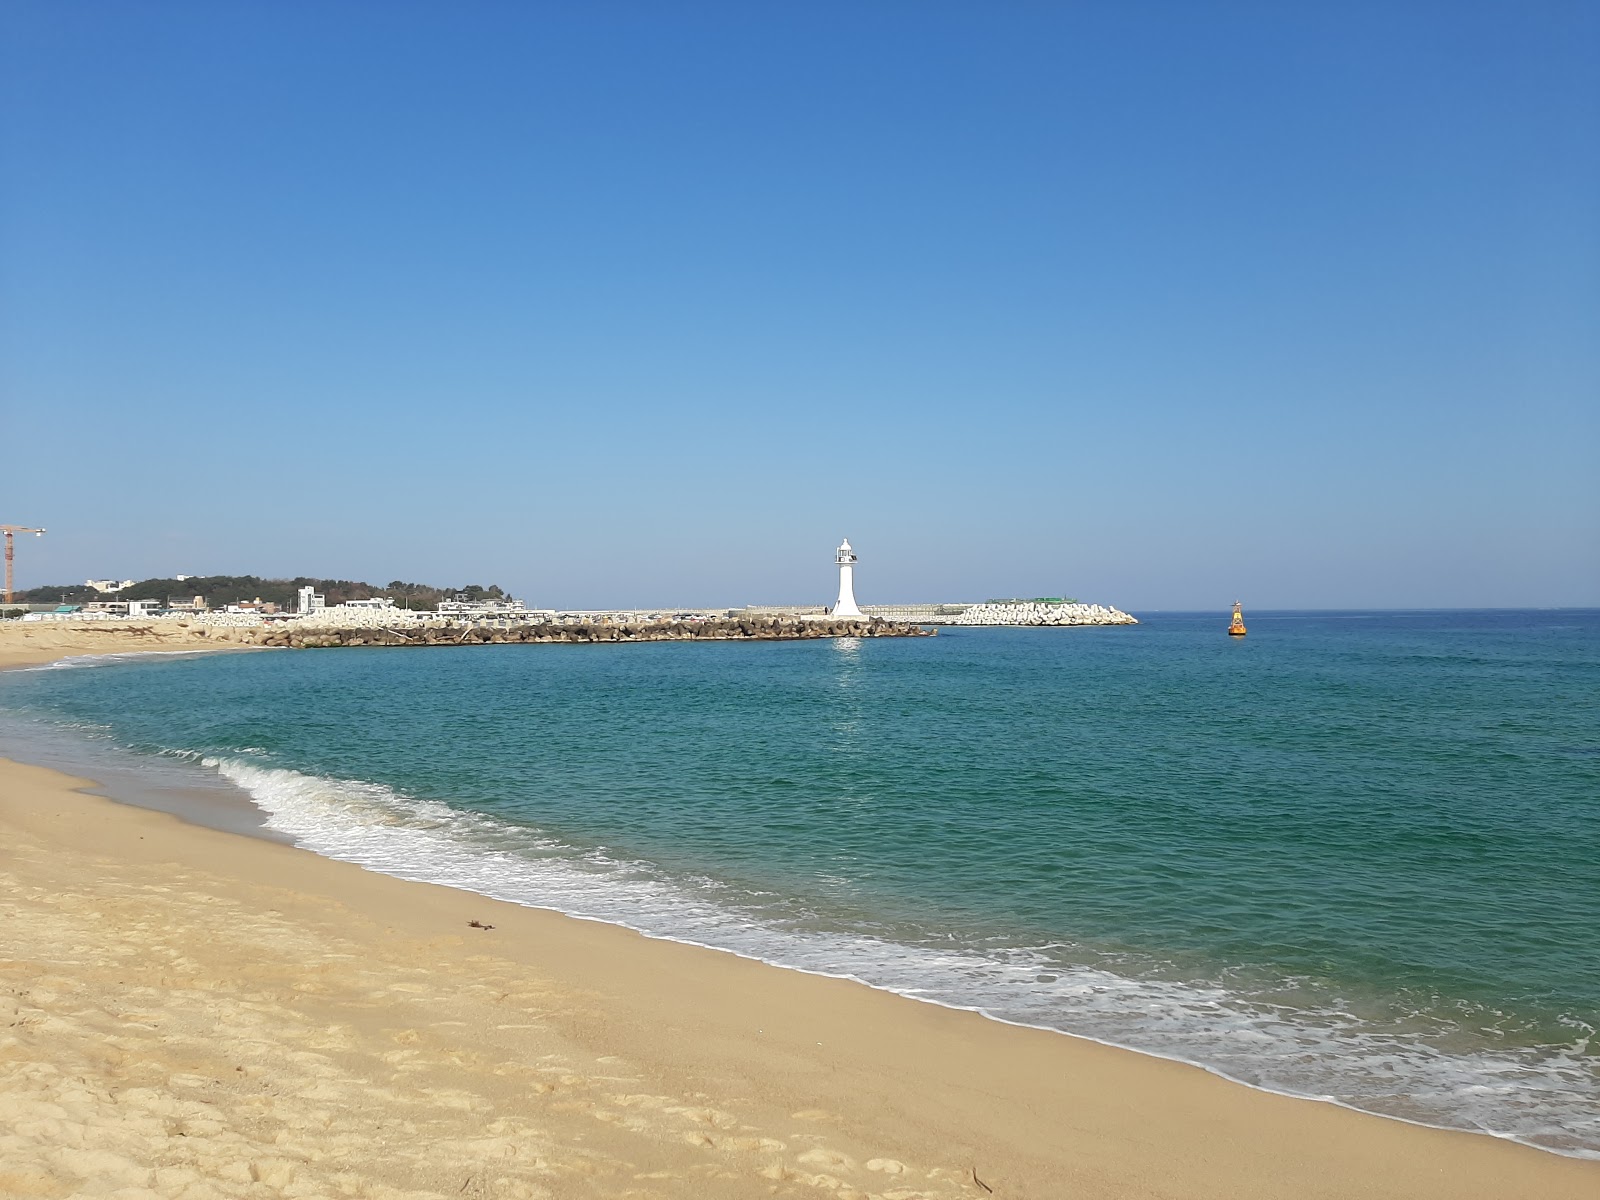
(1280, 1035)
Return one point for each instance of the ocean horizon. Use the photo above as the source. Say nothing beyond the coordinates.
(1353, 856)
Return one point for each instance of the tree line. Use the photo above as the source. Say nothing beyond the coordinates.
(219, 591)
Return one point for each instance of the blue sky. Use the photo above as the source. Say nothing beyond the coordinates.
(635, 303)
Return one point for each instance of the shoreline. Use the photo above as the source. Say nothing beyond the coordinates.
(239, 797)
(36, 645)
(1135, 1123)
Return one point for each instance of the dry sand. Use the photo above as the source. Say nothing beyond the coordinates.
(189, 1013)
(23, 643)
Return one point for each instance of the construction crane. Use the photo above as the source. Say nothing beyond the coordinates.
(9, 530)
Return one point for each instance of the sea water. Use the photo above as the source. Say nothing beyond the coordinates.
(1354, 856)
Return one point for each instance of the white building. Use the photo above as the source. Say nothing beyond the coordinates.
(106, 586)
(121, 608)
(506, 608)
(845, 606)
(370, 602)
(310, 601)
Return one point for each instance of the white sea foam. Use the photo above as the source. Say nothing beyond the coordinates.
(1548, 1098)
(100, 660)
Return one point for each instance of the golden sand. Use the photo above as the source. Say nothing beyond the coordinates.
(23, 643)
(189, 1013)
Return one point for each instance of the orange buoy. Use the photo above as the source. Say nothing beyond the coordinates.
(1237, 628)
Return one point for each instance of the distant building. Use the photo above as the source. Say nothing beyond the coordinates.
(121, 608)
(60, 613)
(371, 602)
(107, 586)
(462, 609)
(190, 604)
(310, 601)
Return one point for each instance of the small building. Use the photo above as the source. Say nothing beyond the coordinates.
(370, 602)
(505, 608)
(62, 612)
(108, 586)
(310, 600)
(120, 608)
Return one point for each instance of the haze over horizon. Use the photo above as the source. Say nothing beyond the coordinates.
(622, 304)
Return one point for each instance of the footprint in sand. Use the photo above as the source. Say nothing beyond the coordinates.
(823, 1157)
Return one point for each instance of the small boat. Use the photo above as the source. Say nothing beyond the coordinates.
(1237, 628)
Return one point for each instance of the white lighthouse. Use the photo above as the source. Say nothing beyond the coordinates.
(846, 604)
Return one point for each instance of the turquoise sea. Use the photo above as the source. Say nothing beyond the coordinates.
(1353, 856)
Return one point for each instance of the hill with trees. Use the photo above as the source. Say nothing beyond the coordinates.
(219, 591)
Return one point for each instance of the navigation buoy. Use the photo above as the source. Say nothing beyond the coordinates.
(1237, 628)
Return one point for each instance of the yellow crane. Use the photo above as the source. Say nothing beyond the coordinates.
(9, 530)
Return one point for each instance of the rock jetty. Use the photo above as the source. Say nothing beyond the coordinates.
(1040, 613)
(293, 635)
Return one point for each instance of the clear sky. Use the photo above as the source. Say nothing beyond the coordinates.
(1158, 304)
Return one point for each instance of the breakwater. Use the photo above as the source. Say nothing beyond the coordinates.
(990, 612)
(308, 636)
(1034, 613)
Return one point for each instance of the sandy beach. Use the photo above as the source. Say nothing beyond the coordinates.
(28, 643)
(192, 1013)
